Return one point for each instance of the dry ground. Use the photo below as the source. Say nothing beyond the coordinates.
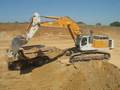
(92, 75)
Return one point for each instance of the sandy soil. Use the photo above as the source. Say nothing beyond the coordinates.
(92, 75)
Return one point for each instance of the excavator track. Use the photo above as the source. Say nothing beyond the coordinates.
(86, 56)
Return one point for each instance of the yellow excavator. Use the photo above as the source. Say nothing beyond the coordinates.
(87, 47)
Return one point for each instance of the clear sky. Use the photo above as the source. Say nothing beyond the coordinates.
(88, 11)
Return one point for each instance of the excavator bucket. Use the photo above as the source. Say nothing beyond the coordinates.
(17, 43)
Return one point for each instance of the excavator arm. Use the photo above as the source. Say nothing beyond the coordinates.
(20, 40)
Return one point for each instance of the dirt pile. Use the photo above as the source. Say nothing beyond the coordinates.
(91, 75)
(94, 76)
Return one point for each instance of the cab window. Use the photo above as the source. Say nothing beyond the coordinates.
(84, 41)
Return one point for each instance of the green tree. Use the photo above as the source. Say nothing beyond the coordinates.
(98, 24)
(116, 23)
(80, 22)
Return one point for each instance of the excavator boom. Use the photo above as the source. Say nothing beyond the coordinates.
(65, 22)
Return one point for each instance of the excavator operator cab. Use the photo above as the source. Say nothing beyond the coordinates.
(99, 42)
(84, 43)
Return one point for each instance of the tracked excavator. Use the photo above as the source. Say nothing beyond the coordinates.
(87, 47)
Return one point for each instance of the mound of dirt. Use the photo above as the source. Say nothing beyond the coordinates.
(90, 75)
(94, 75)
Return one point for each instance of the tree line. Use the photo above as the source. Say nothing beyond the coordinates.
(115, 23)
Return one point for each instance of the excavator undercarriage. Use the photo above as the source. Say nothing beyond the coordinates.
(86, 56)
